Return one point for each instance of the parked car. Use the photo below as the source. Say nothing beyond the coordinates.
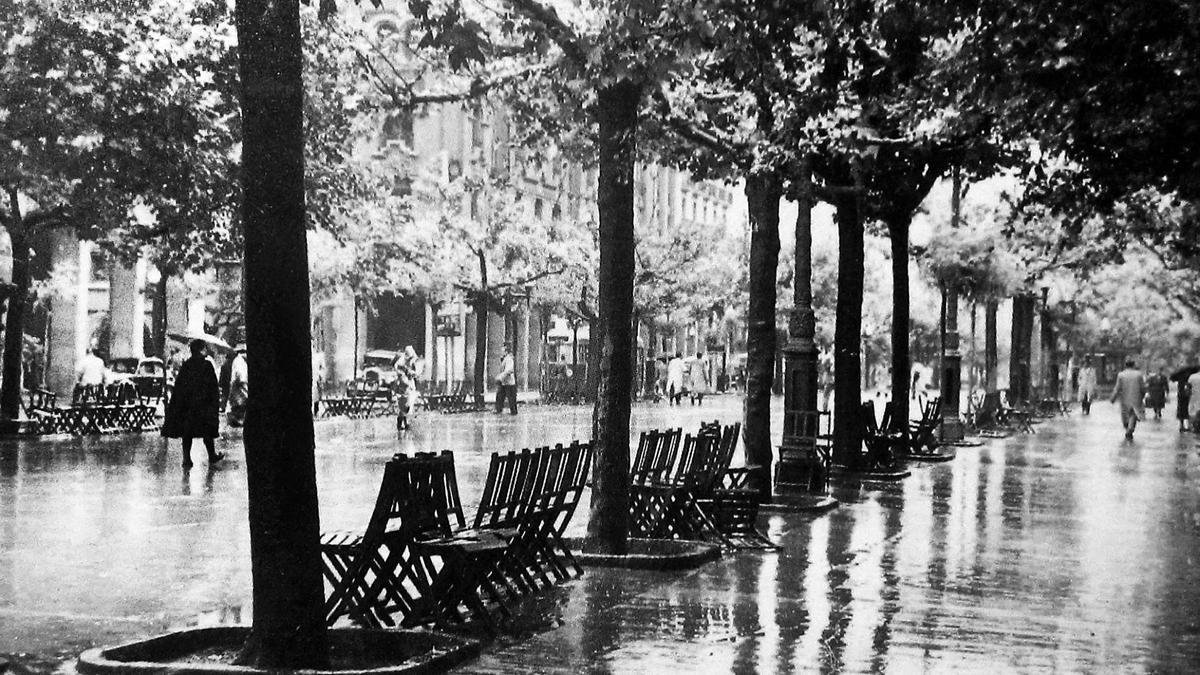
(379, 367)
(148, 375)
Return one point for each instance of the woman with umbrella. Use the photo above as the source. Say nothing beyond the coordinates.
(195, 405)
(1183, 393)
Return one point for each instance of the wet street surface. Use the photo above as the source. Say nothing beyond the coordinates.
(1069, 550)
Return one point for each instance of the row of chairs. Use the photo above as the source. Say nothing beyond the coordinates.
(683, 487)
(992, 416)
(451, 402)
(417, 561)
(94, 409)
(564, 390)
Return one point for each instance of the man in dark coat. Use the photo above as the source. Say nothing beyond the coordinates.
(194, 407)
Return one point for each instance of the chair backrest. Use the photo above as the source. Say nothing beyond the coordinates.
(720, 456)
(646, 449)
(696, 460)
(507, 489)
(411, 501)
(558, 497)
(448, 503)
(655, 455)
(867, 412)
(933, 411)
(890, 417)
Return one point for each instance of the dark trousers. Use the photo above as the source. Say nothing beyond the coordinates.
(187, 449)
(509, 392)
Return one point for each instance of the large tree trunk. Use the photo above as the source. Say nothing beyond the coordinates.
(634, 380)
(971, 349)
(482, 307)
(289, 625)
(1022, 348)
(847, 336)
(897, 225)
(594, 354)
(763, 192)
(14, 323)
(991, 358)
(608, 526)
(479, 367)
(158, 314)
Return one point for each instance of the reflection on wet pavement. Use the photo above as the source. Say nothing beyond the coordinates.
(1064, 551)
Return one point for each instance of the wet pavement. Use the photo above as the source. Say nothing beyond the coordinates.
(1068, 550)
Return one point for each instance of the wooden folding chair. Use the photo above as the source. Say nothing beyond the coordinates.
(376, 573)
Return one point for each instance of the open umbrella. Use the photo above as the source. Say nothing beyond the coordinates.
(212, 340)
(1184, 373)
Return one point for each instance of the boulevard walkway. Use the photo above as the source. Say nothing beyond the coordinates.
(1064, 551)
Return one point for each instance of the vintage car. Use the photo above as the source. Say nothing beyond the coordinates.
(379, 367)
(148, 375)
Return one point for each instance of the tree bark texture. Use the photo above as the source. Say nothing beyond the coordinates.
(763, 192)
(14, 325)
(847, 336)
(158, 314)
(608, 525)
(1022, 348)
(289, 627)
(1049, 368)
(991, 358)
(482, 307)
(898, 225)
(595, 352)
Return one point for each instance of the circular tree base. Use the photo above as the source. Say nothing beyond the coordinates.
(211, 651)
(938, 454)
(799, 502)
(842, 474)
(651, 554)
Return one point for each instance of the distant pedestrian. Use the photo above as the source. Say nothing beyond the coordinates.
(1156, 392)
(90, 375)
(506, 383)
(318, 380)
(194, 407)
(1193, 385)
(406, 397)
(223, 379)
(698, 379)
(1130, 390)
(239, 387)
(675, 383)
(1087, 385)
(1182, 398)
